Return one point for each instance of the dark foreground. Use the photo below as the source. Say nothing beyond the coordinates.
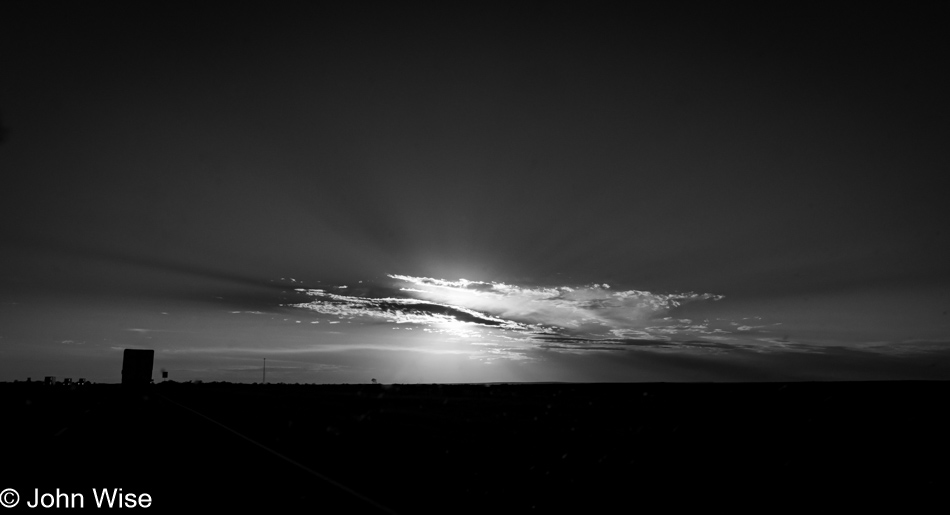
(474, 448)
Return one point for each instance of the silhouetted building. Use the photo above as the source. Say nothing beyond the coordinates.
(50, 380)
(137, 367)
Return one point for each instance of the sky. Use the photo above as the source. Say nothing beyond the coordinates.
(432, 193)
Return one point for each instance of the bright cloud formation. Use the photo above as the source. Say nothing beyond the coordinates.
(493, 320)
(404, 310)
(593, 308)
(593, 311)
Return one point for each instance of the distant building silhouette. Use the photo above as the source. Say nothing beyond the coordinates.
(137, 367)
(50, 380)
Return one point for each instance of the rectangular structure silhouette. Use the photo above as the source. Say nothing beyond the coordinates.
(137, 366)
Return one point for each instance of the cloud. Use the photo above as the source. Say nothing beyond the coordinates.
(492, 321)
(558, 343)
(594, 308)
(910, 346)
(403, 310)
(580, 316)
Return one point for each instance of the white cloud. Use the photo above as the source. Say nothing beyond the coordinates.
(584, 309)
(479, 309)
(403, 311)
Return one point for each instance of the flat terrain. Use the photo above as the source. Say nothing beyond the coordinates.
(510, 448)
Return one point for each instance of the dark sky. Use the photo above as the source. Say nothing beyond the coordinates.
(790, 162)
